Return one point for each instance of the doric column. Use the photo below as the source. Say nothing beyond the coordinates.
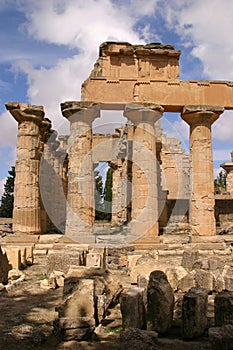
(26, 214)
(144, 212)
(200, 119)
(80, 196)
(45, 128)
(228, 167)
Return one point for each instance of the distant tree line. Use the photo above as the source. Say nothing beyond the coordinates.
(7, 201)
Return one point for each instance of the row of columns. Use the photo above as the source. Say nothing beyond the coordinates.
(80, 193)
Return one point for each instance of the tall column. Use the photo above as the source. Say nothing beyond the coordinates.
(144, 214)
(26, 214)
(228, 167)
(200, 119)
(80, 196)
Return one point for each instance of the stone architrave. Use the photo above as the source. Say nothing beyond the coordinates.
(228, 167)
(200, 119)
(27, 206)
(144, 212)
(80, 196)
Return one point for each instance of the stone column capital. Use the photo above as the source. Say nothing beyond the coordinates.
(25, 112)
(143, 112)
(84, 111)
(205, 115)
(228, 166)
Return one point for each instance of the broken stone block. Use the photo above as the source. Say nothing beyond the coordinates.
(14, 257)
(221, 338)
(174, 275)
(144, 268)
(215, 263)
(194, 313)
(187, 282)
(160, 303)
(4, 267)
(142, 281)
(219, 283)
(189, 257)
(76, 328)
(228, 277)
(133, 338)
(44, 284)
(204, 279)
(93, 260)
(223, 305)
(133, 309)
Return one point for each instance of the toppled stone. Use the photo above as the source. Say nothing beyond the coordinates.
(219, 283)
(133, 309)
(204, 279)
(223, 305)
(137, 339)
(187, 282)
(228, 277)
(174, 275)
(160, 303)
(221, 338)
(189, 257)
(26, 331)
(194, 313)
(44, 284)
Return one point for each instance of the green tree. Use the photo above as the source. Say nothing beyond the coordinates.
(7, 201)
(220, 181)
(108, 195)
(99, 201)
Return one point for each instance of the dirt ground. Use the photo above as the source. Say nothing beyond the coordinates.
(27, 314)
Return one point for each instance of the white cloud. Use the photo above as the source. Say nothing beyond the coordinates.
(8, 130)
(82, 26)
(207, 26)
(222, 128)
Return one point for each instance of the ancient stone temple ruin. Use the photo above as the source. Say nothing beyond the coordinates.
(54, 176)
(164, 208)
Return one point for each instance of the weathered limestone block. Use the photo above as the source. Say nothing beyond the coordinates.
(144, 268)
(142, 281)
(221, 338)
(223, 304)
(204, 279)
(219, 283)
(117, 256)
(76, 328)
(13, 257)
(187, 282)
(4, 267)
(215, 263)
(174, 275)
(93, 260)
(194, 313)
(61, 260)
(160, 303)
(133, 309)
(189, 257)
(228, 277)
(133, 338)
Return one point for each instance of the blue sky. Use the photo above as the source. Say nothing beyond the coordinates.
(48, 48)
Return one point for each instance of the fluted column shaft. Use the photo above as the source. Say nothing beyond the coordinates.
(26, 213)
(200, 119)
(144, 212)
(80, 196)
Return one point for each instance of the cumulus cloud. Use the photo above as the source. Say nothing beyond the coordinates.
(81, 26)
(207, 27)
(2, 183)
